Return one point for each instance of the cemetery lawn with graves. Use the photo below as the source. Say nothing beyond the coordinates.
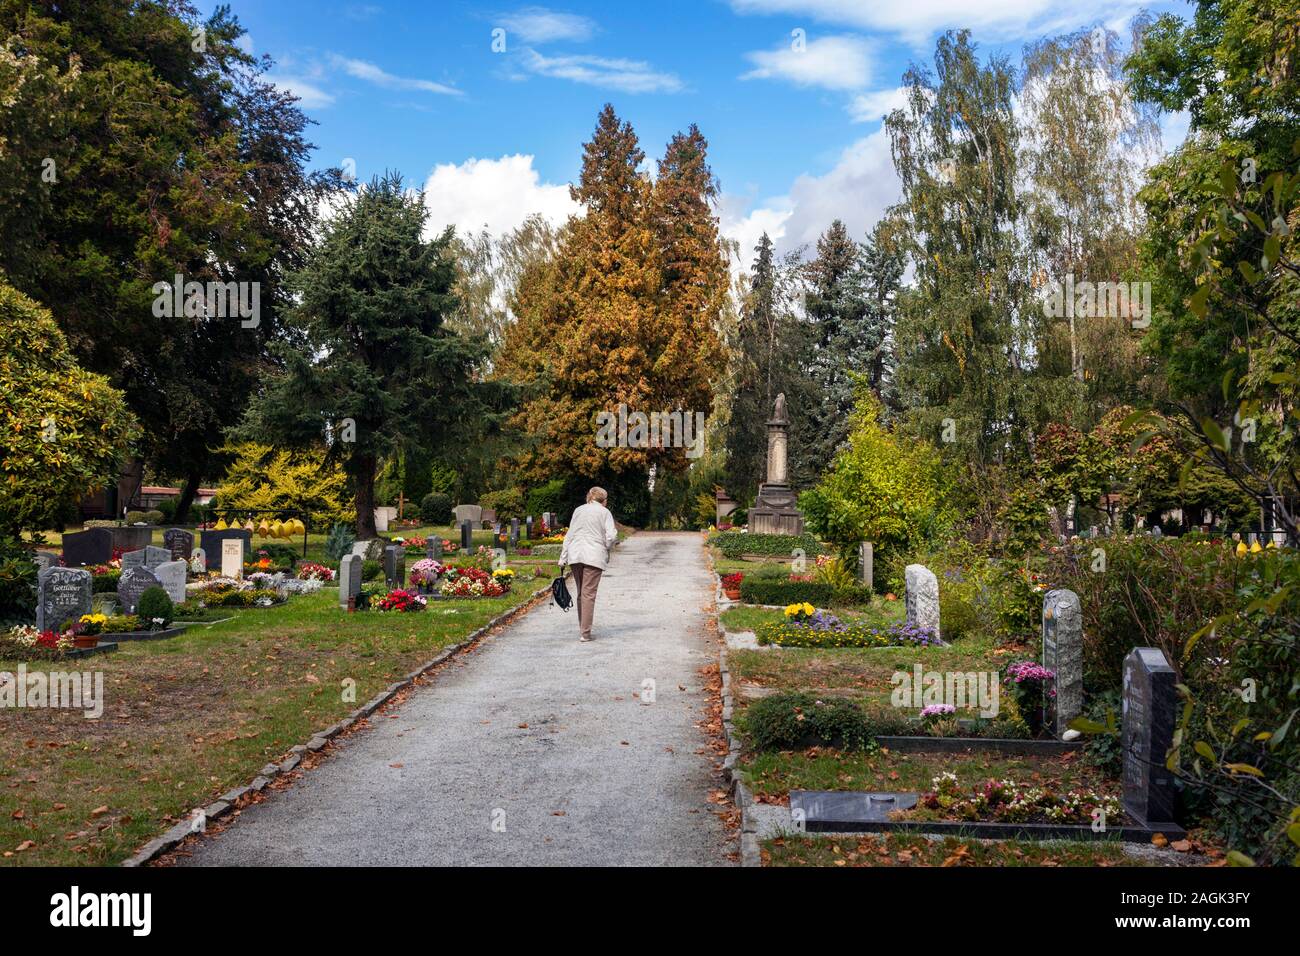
(188, 718)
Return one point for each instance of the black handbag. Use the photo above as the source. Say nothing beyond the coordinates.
(560, 592)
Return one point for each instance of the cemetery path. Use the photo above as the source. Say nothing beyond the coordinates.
(534, 731)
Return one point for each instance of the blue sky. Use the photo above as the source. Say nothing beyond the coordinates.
(788, 92)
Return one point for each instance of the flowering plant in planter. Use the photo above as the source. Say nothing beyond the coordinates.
(426, 571)
(1007, 801)
(470, 582)
(803, 611)
(310, 571)
(504, 577)
(731, 582)
(399, 599)
(1032, 685)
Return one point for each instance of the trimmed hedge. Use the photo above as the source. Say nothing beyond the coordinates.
(435, 509)
(761, 590)
(737, 544)
(797, 720)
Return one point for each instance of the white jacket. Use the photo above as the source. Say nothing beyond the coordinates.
(590, 536)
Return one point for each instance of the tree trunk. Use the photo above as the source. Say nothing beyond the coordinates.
(189, 491)
(363, 473)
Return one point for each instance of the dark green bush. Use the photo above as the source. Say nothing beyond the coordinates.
(507, 503)
(17, 581)
(105, 583)
(339, 542)
(737, 544)
(371, 570)
(435, 509)
(155, 606)
(793, 721)
(554, 496)
(782, 591)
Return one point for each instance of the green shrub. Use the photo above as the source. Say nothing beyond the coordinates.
(507, 503)
(755, 589)
(784, 633)
(339, 542)
(737, 544)
(554, 497)
(105, 583)
(17, 581)
(155, 607)
(167, 508)
(435, 509)
(371, 570)
(121, 624)
(793, 721)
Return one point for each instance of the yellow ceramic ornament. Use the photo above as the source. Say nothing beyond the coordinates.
(1241, 548)
(263, 529)
(221, 524)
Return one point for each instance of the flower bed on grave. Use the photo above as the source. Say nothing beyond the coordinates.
(311, 571)
(474, 582)
(1006, 801)
(399, 599)
(805, 626)
(24, 641)
(256, 591)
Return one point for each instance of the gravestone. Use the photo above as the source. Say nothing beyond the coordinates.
(179, 542)
(133, 583)
(171, 575)
(922, 597)
(62, 596)
(349, 578)
(45, 559)
(147, 557)
(381, 519)
(465, 513)
(92, 546)
(514, 534)
(528, 528)
(489, 519)
(232, 558)
(131, 537)
(776, 507)
(210, 541)
(1150, 706)
(466, 537)
(199, 561)
(548, 521)
(1063, 654)
(394, 566)
(433, 547)
(866, 564)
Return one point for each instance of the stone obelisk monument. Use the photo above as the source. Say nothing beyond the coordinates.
(775, 510)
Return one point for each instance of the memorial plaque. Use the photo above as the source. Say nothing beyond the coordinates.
(62, 596)
(232, 558)
(179, 543)
(845, 810)
(133, 583)
(1149, 715)
(92, 546)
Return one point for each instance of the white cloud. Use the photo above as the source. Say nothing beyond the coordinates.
(311, 96)
(857, 190)
(540, 25)
(917, 20)
(496, 193)
(627, 76)
(874, 106)
(836, 63)
(362, 70)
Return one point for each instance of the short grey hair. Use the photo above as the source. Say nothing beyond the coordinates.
(597, 493)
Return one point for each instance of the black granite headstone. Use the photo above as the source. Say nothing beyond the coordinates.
(394, 566)
(131, 537)
(466, 536)
(210, 541)
(833, 810)
(179, 542)
(62, 596)
(514, 533)
(1149, 715)
(92, 546)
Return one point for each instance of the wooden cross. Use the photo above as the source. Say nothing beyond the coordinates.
(401, 504)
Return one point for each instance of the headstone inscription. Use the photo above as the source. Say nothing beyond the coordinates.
(922, 597)
(179, 542)
(349, 578)
(1063, 655)
(133, 583)
(92, 546)
(62, 596)
(1148, 717)
(232, 558)
(171, 575)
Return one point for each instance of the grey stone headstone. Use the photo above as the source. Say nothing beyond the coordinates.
(528, 528)
(133, 559)
(92, 546)
(62, 596)
(1156, 532)
(514, 533)
(133, 583)
(465, 513)
(132, 537)
(922, 597)
(171, 575)
(394, 566)
(199, 561)
(466, 537)
(1149, 714)
(1063, 654)
(866, 564)
(179, 543)
(488, 518)
(548, 521)
(349, 578)
(433, 547)
(45, 559)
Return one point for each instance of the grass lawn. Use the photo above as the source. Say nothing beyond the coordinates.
(905, 849)
(189, 718)
(880, 613)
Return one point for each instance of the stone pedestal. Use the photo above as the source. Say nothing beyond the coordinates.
(775, 508)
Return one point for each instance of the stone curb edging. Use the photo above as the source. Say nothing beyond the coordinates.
(744, 798)
(226, 802)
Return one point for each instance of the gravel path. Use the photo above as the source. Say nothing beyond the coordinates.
(532, 750)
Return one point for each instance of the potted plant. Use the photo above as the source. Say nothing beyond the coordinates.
(731, 585)
(85, 633)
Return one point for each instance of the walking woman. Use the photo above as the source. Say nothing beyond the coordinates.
(586, 547)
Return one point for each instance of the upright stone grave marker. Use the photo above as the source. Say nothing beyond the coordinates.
(514, 534)
(62, 596)
(171, 575)
(133, 583)
(381, 519)
(866, 564)
(131, 537)
(45, 559)
(199, 561)
(922, 597)
(179, 543)
(92, 546)
(528, 528)
(349, 578)
(548, 521)
(466, 537)
(211, 541)
(232, 558)
(394, 566)
(465, 513)
(1063, 654)
(1149, 714)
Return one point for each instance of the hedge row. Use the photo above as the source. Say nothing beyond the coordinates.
(736, 544)
(758, 590)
